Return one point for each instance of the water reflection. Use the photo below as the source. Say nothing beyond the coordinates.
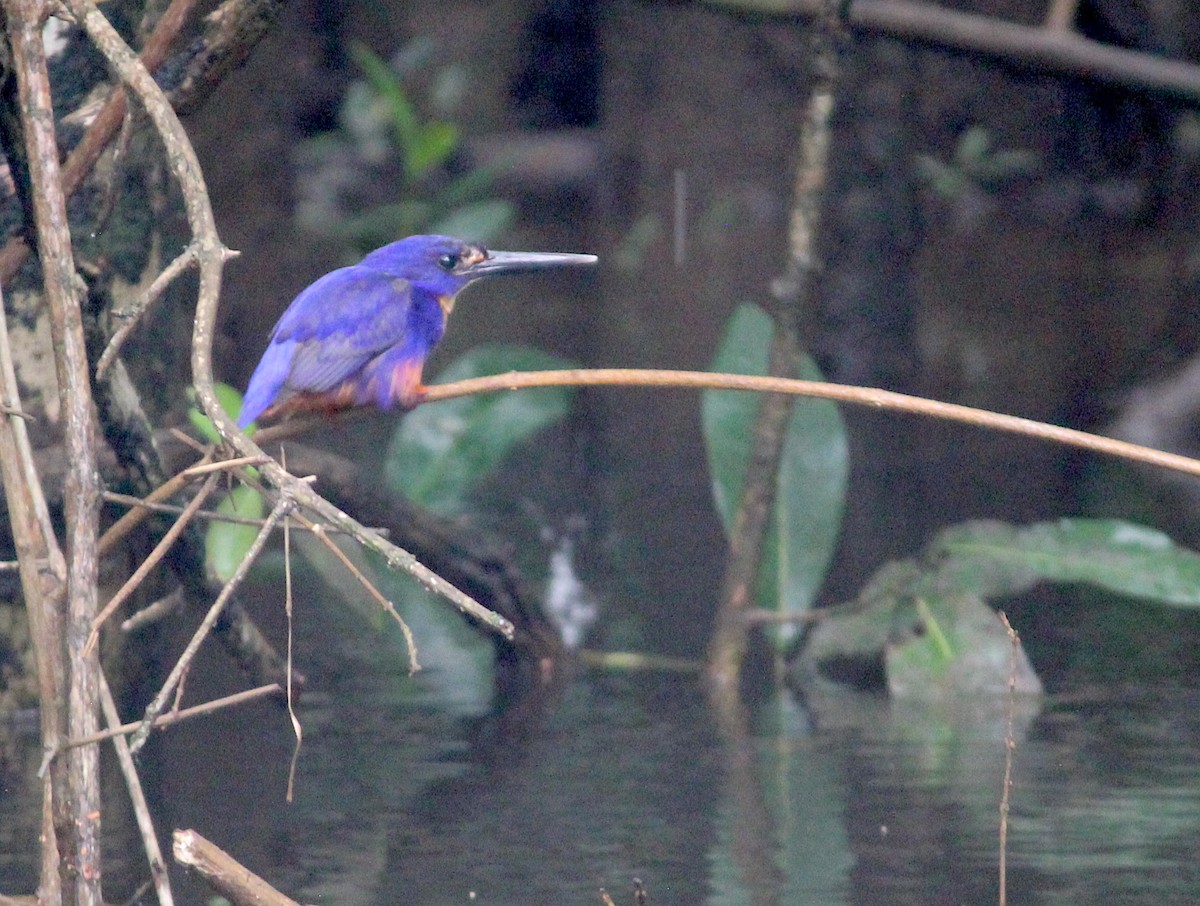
(626, 777)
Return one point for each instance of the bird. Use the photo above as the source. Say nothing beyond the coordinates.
(359, 335)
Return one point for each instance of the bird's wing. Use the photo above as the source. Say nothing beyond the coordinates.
(329, 333)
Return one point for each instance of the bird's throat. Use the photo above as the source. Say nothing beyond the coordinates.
(447, 304)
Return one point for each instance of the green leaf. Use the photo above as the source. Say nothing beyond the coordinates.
(230, 400)
(226, 543)
(386, 84)
(1121, 557)
(441, 451)
(433, 145)
(950, 647)
(810, 496)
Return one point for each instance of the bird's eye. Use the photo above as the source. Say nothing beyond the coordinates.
(448, 262)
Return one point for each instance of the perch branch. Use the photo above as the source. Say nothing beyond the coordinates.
(870, 397)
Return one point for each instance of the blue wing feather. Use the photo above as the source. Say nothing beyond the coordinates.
(335, 328)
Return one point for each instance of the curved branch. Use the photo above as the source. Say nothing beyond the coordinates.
(842, 393)
(1042, 49)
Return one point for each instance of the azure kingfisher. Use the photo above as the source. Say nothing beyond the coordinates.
(360, 334)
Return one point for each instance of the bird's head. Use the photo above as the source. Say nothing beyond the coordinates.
(444, 265)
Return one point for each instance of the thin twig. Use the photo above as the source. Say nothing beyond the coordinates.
(870, 397)
(297, 728)
(141, 811)
(1010, 746)
(225, 465)
(174, 510)
(132, 316)
(409, 641)
(166, 720)
(159, 551)
(157, 610)
(1061, 15)
(127, 523)
(282, 507)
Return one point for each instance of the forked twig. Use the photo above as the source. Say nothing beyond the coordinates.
(132, 316)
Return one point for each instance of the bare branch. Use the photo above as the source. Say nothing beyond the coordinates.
(224, 874)
(60, 285)
(43, 583)
(1043, 50)
(870, 397)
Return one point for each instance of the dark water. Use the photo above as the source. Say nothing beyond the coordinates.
(403, 796)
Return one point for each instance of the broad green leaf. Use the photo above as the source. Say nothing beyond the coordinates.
(226, 543)
(810, 495)
(442, 450)
(952, 646)
(1119, 556)
(230, 400)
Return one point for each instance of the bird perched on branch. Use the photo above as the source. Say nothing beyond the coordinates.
(359, 335)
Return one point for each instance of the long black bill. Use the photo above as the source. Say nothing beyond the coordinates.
(519, 262)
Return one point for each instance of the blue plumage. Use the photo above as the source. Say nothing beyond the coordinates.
(360, 335)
